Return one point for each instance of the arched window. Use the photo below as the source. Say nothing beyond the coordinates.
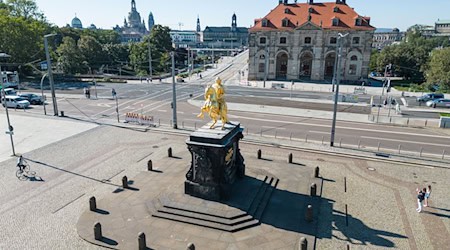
(354, 58)
(262, 57)
(285, 22)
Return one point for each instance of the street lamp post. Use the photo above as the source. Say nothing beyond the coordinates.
(336, 94)
(42, 93)
(50, 74)
(174, 93)
(266, 66)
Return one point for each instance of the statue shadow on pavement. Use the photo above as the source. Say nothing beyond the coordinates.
(353, 230)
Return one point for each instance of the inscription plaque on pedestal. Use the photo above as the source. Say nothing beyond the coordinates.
(216, 161)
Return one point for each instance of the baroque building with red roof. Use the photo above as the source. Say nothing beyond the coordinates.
(298, 41)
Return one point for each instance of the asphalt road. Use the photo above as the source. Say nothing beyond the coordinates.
(155, 99)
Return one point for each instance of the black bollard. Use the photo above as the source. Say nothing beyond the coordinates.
(309, 214)
(190, 246)
(98, 231)
(125, 182)
(62, 113)
(316, 172)
(259, 153)
(141, 241)
(92, 204)
(303, 243)
(290, 158)
(169, 152)
(150, 165)
(313, 189)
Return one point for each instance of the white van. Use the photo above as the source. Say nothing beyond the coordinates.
(15, 102)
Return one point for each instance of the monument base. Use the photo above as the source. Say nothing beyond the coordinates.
(216, 161)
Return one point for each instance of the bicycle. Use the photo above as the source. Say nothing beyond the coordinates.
(24, 172)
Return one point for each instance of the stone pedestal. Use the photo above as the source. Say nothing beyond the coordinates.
(216, 161)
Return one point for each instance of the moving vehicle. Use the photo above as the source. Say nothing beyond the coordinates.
(33, 99)
(429, 97)
(15, 102)
(9, 79)
(444, 103)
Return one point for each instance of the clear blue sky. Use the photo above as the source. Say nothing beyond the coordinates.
(108, 13)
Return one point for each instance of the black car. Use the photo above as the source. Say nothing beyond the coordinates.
(33, 99)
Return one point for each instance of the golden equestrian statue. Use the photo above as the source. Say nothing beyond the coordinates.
(215, 104)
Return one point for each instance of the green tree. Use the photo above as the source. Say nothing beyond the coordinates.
(439, 68)
(22, 39)
(161, 46)
(25, 8)
(91, 50)
(70, 60)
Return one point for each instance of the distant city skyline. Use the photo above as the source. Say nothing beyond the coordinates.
(183, 14)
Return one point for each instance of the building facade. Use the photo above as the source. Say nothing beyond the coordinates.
(386, 37)
(226, 37)
(299, 41)
(441, 29)
(134, 28)
(185, 38)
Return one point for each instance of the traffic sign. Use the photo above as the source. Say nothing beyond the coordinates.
(9, 133)
(44, 66)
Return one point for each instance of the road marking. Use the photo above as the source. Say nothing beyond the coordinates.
(180, 112)
(319, 132)
(104, 105)
(269, 127)
(405, 141)
(348, 128)
(163, 111)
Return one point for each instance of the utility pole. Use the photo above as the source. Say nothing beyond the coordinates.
(189, 62)
(338, 80)
(266, 66)
(150, 58)
(50, 75)
(174, 96)
(117, 107)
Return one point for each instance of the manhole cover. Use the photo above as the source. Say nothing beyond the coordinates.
(319, 159)
(155, 146)
(371, 169)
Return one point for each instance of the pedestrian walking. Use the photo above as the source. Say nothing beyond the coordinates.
(88, 93)
(85, 92)
(113, 92)
(427, 196)
(420, 198)
(148, 80)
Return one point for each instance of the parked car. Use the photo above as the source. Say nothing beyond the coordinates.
(429, 97)
(33, 99)
(444, 103)
(15, 102)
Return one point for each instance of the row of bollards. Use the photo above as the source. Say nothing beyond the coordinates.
(142, 242)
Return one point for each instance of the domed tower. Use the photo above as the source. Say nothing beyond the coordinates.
(151, 21)
(234, 23)
(76, 23)
(134, 18)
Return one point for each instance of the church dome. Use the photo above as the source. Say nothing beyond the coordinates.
(76, 23)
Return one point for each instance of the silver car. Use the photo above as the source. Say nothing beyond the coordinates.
(444, 103)
(15, 102)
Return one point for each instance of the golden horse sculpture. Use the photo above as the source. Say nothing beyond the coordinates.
(215, 104)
